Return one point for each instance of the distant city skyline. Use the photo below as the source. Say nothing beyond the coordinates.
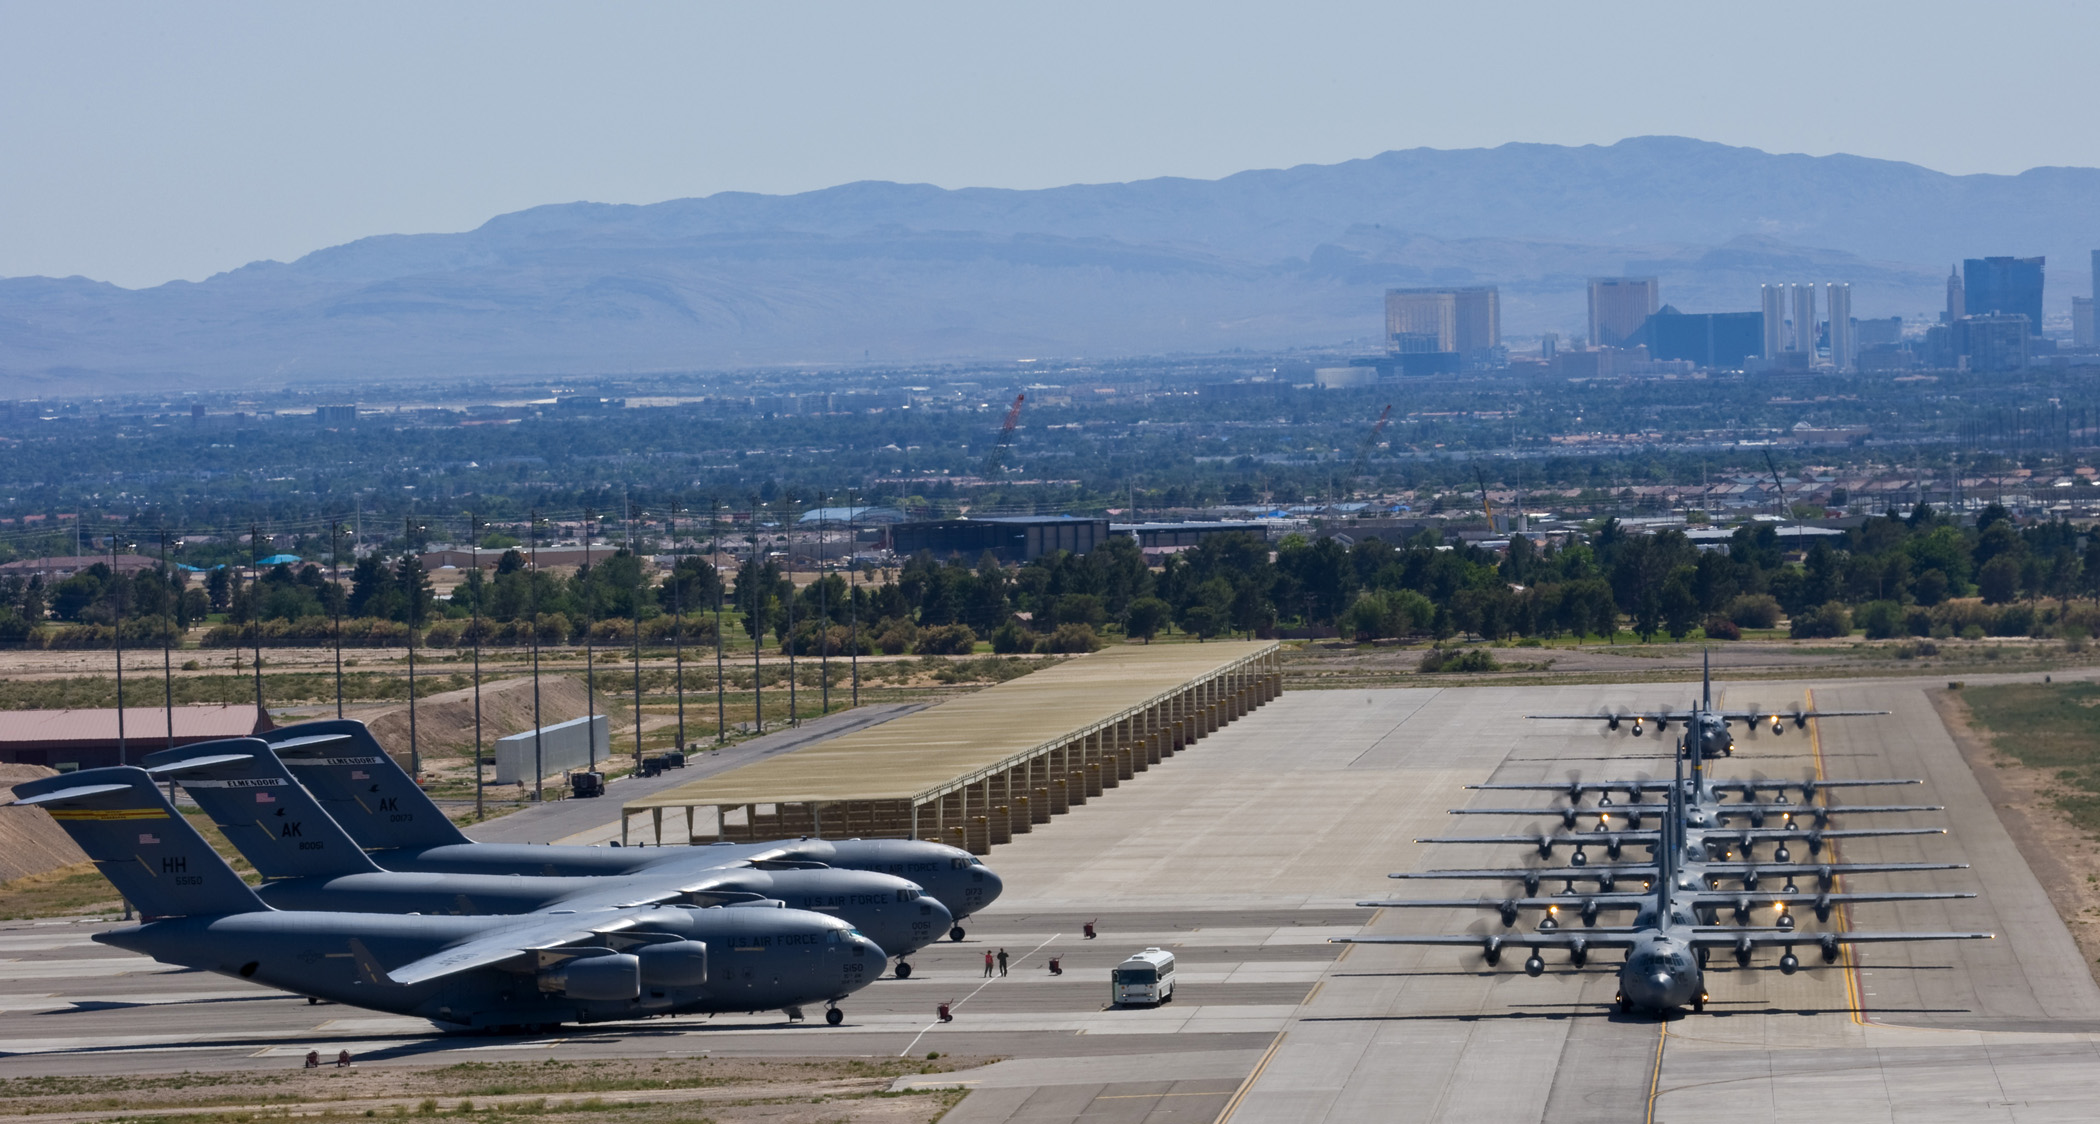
(148, 143)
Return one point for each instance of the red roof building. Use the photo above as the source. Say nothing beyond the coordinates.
(87, 739)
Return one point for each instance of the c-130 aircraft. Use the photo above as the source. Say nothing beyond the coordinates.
(461, 973)
(1666, 945)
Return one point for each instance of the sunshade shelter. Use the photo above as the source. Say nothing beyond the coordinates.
(978, 769)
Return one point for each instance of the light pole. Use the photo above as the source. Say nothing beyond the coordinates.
(787, 523)
(641, 582)
(590, 673)
(677, 627)
(853, 591)
(167, 634)
(335, 561)
(412, 578)
(714, 552)
(480, 591)
(823, 603)
(532, 587)
(116, 586)
(255, 615)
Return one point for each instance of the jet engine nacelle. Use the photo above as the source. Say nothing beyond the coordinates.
(673, 964)
(615, 977)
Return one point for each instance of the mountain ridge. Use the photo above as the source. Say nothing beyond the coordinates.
(882, 271)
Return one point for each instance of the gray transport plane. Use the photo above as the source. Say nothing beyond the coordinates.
(385, 811)
(1704, 724)
(310, 863)
(462, 973)
(1667, 945)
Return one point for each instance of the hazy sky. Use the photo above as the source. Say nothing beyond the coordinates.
(148, 141)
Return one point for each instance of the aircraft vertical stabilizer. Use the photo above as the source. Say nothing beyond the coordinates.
(277, 825)
(373, 798)
(152, 855)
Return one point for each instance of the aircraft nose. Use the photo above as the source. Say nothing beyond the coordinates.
(992, 887)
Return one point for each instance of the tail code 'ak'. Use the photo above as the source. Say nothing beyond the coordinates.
(374, 799)
(274, 822)
(152, 855)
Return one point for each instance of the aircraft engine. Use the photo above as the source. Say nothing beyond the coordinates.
(1578, 952)
(614, 977)
(673, 964)
(1829, 942)
(1589, 913)
(1508, 909)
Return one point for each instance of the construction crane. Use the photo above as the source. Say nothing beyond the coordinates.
(1363, 452)
(1778, 485)
(1484, 504)
(996, 463)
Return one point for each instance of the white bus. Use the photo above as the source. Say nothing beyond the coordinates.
(1147, 977)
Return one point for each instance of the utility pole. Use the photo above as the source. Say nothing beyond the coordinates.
(823, 603)
(758, 625)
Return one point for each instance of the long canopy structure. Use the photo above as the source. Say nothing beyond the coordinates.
(977, 769)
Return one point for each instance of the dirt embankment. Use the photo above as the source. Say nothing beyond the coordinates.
(2061, 856)
(31, 842)
(445, 722)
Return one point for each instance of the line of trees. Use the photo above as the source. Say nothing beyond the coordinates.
(1923, 574)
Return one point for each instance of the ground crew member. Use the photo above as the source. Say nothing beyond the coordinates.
(1002, 961)
(987, 963)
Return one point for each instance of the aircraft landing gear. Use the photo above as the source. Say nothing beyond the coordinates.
(903, 970)
(1625, 1004)
(956, 933)
(1699, 1002)
(834, 1016)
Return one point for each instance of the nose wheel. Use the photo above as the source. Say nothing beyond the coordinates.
(956, 933)
(903, 970)
(834, 1016)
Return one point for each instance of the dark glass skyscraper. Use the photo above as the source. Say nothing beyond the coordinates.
(2004, 286)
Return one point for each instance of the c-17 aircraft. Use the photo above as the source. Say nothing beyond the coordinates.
(461, 973)
(310, 863)
(387, 813)
(1666, 945)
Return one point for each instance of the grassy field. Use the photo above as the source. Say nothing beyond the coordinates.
(783, 1090)
(2054, 727)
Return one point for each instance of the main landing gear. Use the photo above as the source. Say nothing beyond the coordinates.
(903, 970)
(834, 1016)
(956, 933)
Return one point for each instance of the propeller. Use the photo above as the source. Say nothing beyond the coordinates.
(1545, 840)
(1756, 713)
(1490, 946)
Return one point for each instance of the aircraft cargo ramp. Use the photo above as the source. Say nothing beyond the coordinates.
(975, 771)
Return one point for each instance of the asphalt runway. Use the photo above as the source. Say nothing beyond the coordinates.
(1244, 855)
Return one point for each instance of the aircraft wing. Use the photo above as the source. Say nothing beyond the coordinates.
(1604, 901)
(1793, 834)
(1790, 870)
(1601, 839)
(1552, 938)
(1811, 811)
(1714, 937)
(1600, 810)
(1544, 873)
(541, 931)
(1769, 786)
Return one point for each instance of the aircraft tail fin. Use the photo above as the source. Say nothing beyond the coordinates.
(1706, 679)
(374, 799)
(276, 824)
(148, 852)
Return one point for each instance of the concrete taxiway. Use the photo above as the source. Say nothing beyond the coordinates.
(1245, 854)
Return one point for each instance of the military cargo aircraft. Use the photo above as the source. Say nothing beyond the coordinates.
(461, 973)
(310, 863)
(1667, 944)
(385, 811)
(1704, 724)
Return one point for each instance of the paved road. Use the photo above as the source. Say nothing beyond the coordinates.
(597, 820)
(1244, 855)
